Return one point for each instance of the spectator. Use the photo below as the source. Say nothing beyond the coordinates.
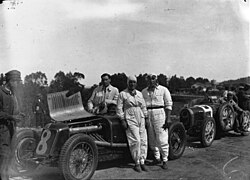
(242, 98)
(39, 111)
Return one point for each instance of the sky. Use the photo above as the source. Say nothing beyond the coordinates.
(198, 38)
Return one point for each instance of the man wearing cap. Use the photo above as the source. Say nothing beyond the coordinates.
(159, 104)
(103, 96)
(9, 113)
(131, 109)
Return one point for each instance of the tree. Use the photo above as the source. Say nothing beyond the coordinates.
(119, 80)
(67, 81)
(37, 78)
(163, 80)
(190, 81)
(141, 81)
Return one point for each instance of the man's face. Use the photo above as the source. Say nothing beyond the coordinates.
(106, 81)
(14, 84)
(152, 81)
(132, 85)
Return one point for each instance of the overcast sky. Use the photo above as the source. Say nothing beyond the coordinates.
(199, 38)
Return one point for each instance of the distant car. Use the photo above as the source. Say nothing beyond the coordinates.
(208, 119)
(73, 140)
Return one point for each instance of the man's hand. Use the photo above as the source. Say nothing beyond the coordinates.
(167, 124)
(124, 124)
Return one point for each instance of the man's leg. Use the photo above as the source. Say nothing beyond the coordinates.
(162, 137)
(152, 138)
(133, 137)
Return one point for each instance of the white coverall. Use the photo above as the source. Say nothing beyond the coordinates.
(133, 110)
(158, 99)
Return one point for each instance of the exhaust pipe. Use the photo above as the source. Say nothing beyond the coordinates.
(84, 129)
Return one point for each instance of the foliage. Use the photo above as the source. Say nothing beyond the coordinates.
(36, 83)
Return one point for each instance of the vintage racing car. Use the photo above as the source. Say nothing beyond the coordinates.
(209, 118)
(72, 141)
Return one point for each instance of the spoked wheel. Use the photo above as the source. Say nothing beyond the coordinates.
(226, 117)
(245, 126)
(24, 145)
(177, 140)
(208, 132)
(78, 158)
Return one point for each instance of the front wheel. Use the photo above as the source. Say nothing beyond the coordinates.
(78, 158)
(24, 145)
(177, 140)
(208, 131)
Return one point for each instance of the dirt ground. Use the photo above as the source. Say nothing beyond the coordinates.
(227, 158)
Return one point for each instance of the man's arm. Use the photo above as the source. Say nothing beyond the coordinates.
(90, 101)
(168, 107)
(114, 96)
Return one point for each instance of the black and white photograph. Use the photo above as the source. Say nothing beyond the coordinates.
(124, 89)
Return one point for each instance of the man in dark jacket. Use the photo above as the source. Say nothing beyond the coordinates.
(9, 114)
(39, 110)
(242, 98)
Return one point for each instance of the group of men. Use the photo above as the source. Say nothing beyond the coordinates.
(145, 116)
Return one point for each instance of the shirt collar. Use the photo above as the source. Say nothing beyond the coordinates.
(156, 87)
(107, 88)
(6, 90)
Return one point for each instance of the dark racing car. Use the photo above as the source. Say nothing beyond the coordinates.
(74, 138)
(209, 118)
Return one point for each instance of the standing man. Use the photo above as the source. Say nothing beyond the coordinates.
(131, 109)
(8, 117)
(40, 111)
(103, 96)
(159, 104)
(242, 98)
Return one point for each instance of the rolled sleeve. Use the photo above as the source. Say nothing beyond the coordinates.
(120, 111)
(167, 99)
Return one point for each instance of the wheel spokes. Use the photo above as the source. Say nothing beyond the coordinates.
(81, 160)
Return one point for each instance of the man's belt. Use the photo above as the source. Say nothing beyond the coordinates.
(155, 107)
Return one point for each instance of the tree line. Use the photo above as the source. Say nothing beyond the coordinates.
(37, 83)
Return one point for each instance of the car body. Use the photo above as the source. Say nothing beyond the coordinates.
(74, 138)
(207, 118)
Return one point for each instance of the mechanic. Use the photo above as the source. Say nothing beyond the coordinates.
(9, 114)
(159, 104)
(131, 109)
(242, 98)
(103, 97)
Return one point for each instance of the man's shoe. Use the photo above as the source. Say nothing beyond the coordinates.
(164, 166)
(144, 167)
(137, 168)
(156, 162)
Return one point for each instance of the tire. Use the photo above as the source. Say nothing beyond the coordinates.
(24, 146)
(208, 131)
(177, 140)
(226, 117)
(77, 148)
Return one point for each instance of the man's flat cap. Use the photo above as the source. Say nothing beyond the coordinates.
(14, 75)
